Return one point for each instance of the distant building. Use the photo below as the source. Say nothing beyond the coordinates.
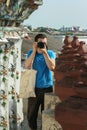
(71, 29)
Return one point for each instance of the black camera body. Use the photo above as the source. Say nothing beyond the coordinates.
(40, 44)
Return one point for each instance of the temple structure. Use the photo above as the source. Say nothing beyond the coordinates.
(66, 108)
(12, 14)
(71, 85)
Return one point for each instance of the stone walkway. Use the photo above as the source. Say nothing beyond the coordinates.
(24, 125)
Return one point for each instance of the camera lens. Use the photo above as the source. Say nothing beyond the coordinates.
(40, 44)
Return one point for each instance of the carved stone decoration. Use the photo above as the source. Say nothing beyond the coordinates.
(71, 113)
(11, 113)
(14, 12)
(71, 68)
(71, 85)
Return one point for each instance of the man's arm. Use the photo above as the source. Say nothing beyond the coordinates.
(50, 62)
(29, 61)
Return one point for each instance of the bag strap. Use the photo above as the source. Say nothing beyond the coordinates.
(32, 63)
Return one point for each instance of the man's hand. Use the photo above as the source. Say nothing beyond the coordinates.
(34, 46)
(43, 50)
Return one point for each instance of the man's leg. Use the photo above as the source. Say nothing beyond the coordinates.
(33, 108)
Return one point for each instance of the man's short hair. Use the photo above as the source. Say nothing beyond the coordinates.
(40, 36)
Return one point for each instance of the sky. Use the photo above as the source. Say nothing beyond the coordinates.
(59, 13)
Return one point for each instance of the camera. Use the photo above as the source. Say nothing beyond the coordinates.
(40, 44)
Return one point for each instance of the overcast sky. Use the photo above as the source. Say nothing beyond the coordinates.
(59, 13)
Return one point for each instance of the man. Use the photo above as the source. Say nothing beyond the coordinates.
(44, 62)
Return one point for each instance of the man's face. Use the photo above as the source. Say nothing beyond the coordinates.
(42, 40)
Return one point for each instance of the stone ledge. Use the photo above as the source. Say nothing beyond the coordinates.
(49, 122)
(51, 100)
